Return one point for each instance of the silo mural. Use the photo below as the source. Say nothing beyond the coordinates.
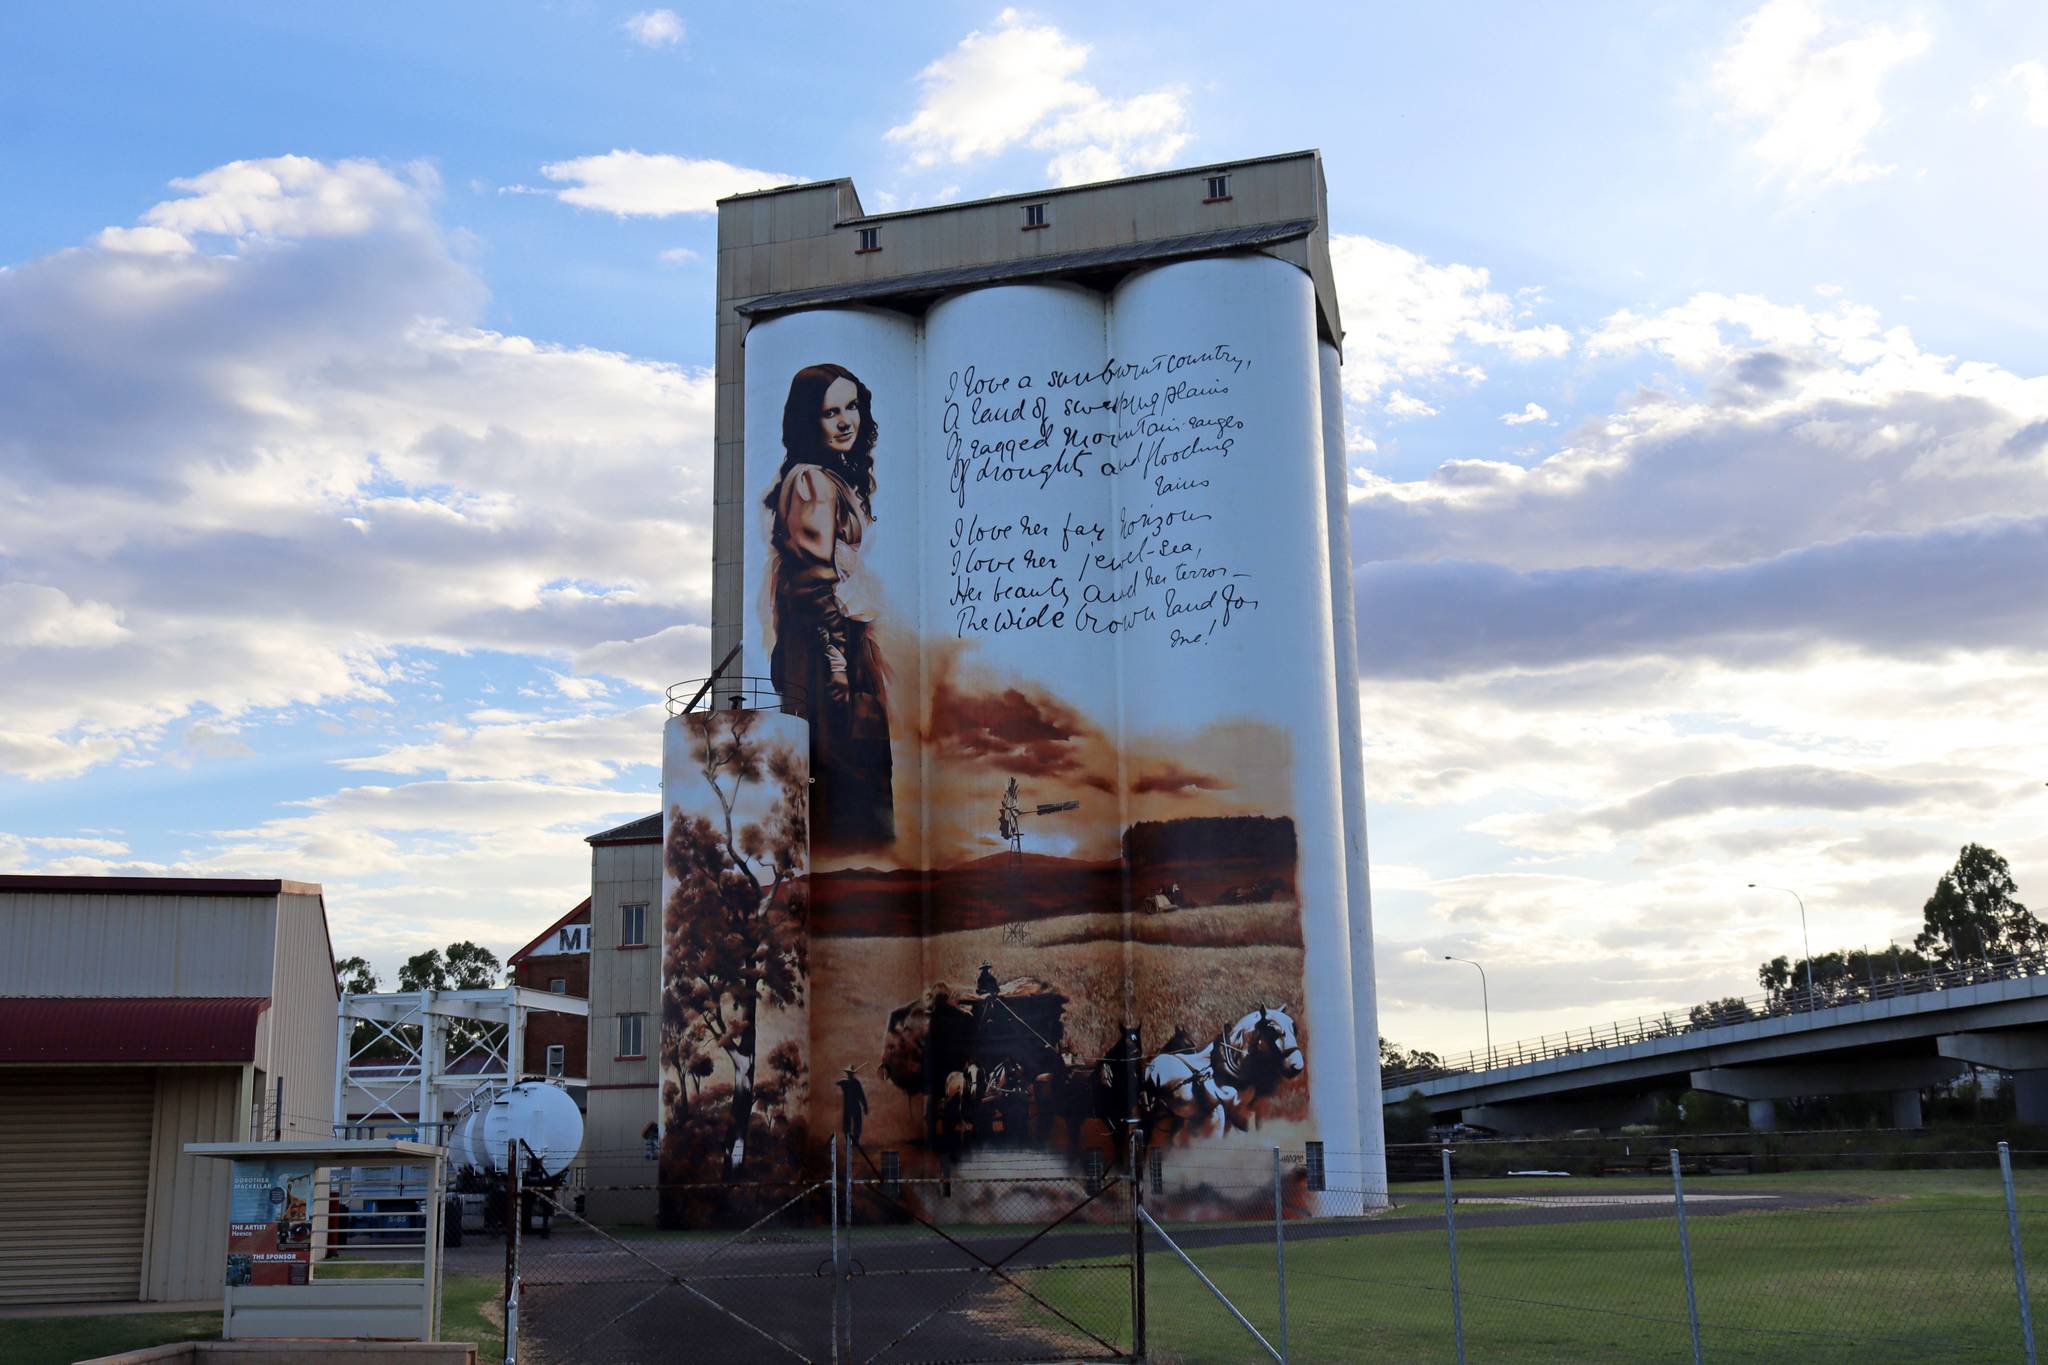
(1048, 573)
(735, 973)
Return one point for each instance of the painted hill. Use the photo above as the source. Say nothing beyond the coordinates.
(1211, 859)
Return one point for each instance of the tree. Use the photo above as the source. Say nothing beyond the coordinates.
(1395, 1059)
(1715, 1013)
(1975, 913)
(464, 966)
(735, 940)
(1844, 969)
(472, 967)
(424, 972)
(356, 976)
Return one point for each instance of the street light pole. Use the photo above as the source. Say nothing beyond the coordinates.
(1485, 1005)
(1803, 939)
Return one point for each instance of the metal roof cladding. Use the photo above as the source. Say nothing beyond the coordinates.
(645, 830)
(158, 886)
(1035, 267)
(62, 1029)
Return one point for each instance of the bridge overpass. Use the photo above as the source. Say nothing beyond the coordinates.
(1895, 1036)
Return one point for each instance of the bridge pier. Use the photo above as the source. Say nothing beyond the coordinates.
(2020, 1053)
(1903, 1077)
(2030, 1096)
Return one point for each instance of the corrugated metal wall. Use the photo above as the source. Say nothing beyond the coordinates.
(302, 1019)
(74, 1183)
(622, 982)
(186, 1251)
(74, 943)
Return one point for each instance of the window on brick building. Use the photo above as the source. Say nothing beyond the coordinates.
(558, 985)
(558, 1059)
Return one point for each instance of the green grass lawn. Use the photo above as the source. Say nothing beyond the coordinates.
(59, 1341)
(469, 1312)
(1919, 1270)
(1843, 1179)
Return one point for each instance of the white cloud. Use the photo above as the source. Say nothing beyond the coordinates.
(678, 255)
(1406, 317)
(1812, 103)
(637, 184)
(1808, 427)
(654, 28)
(1531, 412)
(1774, 617)
(257, 477)
(1021, 84)
(1400, 404)
(261, 467)
(573, 750)
(2030, 79)
(415, 865)
(290, 196)
(143, 241)
(35, 615)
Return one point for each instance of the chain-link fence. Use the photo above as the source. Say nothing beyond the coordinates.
(869, 1265)
(761, 1289)
(1638, 1250)
(1018, 1268)
(1505, 1253)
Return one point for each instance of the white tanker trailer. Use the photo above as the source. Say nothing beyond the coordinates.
(547, 1128)
(537, 1115)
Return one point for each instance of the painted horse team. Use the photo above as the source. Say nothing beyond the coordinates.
(993, 1068)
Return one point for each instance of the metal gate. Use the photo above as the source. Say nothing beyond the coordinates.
(640, 1297)
(1025, 1268)
(854, 1268)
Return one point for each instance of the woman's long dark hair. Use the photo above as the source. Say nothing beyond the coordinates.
(804, 443)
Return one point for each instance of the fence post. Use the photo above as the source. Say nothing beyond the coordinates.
(1692, 1303)
(1451, 1236)
(515, 1224)
(1137, 1247)
(2019, 1261)
(1280, 1252)
(838, 1278)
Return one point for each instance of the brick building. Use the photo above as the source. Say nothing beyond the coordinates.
(558, 960)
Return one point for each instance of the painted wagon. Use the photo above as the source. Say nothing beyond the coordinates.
(988, 1063)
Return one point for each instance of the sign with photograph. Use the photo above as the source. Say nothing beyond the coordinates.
(270, 1222)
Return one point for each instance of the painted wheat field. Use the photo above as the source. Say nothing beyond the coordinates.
(1193, 969)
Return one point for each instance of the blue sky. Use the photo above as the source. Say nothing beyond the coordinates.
(354, 435)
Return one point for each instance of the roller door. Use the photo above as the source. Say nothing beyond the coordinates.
(74, 1183)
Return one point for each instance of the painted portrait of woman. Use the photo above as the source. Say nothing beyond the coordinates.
(827, 658)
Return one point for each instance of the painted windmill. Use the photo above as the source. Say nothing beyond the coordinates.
(1010, 818)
